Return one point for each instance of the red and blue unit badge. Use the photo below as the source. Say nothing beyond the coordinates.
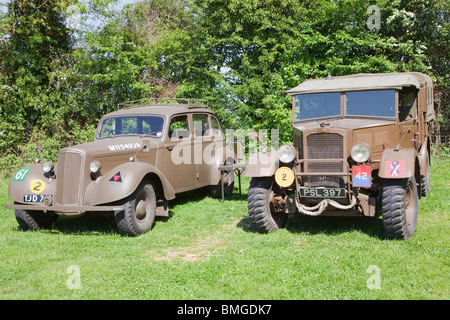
(362, 176)
(116, 178)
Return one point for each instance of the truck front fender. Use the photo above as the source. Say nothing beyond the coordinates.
(121, 181)
(397, 164)
(262, 164)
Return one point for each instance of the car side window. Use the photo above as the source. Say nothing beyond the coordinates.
(201, 127)
(179, 128)
(215, 128)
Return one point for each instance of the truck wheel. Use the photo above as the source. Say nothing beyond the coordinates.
(262, 215)
(425, 180)
(34, 220)
(399, 206)
(139, 213)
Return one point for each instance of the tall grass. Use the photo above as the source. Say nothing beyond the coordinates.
(206, 249)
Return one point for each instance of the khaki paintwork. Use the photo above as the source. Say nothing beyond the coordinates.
(389, 140)
(72, 190)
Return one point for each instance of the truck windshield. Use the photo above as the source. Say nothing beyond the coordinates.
(376, 103)
(317, 105)
(131, 125)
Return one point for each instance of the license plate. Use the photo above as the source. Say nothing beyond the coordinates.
(322, 192)
(34, 197)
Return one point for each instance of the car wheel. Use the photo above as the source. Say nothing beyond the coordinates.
(399, 206)
(139, 213)
(425, 186)
(34, 220)
(262, 214)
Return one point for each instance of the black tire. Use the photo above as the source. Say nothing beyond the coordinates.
(425, 185)
(34, 220)
(399, 206)
(139, 213)
(263, 217)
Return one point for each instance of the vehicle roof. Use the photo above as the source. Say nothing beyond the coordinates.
(362, 81)
(161, 109)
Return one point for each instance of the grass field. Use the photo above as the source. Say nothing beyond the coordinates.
(207, 250)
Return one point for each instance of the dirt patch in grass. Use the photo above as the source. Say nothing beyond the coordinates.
(200, 250)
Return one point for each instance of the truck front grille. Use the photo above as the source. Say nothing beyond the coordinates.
(324, 146)
(69, 171)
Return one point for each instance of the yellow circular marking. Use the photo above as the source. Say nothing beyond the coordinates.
(37, 186)
(284, 177)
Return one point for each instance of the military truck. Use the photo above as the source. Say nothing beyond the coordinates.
(143, 155)
(360, 148)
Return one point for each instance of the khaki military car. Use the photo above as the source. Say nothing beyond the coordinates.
(142, 156)
(360, 148)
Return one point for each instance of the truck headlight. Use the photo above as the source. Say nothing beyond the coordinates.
(360, 152)
(95, 166)
(286, 153)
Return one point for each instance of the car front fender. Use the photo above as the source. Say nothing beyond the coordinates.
(30, 180)
(121, 181)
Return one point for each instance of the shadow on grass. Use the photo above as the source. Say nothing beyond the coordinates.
(327, 225)
(104, 223)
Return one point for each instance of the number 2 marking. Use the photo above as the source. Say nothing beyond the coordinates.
(37, 186)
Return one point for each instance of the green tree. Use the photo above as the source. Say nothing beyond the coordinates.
(35, 42)
(253, 50)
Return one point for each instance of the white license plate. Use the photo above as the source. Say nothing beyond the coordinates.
(322, 192)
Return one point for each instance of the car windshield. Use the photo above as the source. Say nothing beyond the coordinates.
(376, 103)
(131, 125)
(317, 105)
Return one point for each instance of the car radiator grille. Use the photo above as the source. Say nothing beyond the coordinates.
(324, 146)
(69, 178)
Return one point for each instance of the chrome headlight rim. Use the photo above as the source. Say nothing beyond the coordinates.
(95, 166)
(287, 153)
(360, 152)
(48, 166)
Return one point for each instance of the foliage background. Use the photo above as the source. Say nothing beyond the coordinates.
(63, 64)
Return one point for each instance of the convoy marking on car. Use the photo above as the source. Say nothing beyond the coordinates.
(116, 147)
(21, 174)
(37, 186)
(116, 178)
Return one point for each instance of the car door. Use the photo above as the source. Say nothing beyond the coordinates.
(177, 155)
(202, 140)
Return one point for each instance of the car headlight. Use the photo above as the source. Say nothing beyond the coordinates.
(48, 166)
(95, 166)
(286, 153)
(360, 152)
